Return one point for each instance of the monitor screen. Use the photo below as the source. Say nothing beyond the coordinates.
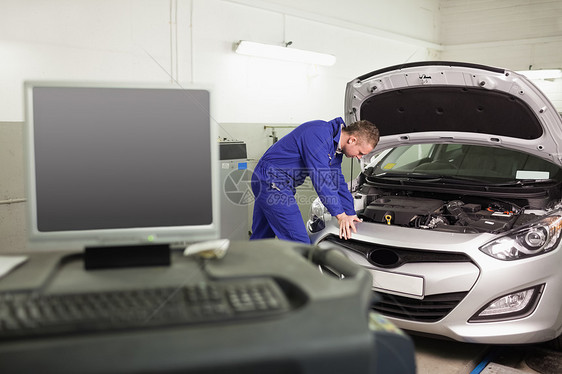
(119, 165)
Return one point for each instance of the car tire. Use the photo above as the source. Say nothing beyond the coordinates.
(555, 344)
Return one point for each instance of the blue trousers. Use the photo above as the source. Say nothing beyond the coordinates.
(276, 213)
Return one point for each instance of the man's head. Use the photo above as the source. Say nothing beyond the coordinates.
(359, 139)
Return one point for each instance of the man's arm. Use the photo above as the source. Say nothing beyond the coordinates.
(345, 195)
(329, 182)
(347, 219)
(316, 150)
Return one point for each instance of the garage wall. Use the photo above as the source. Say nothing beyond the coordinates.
(190, 41)
(185, 42)
(514, 34)
(12, 198)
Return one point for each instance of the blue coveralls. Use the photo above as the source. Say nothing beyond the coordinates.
(308, 150)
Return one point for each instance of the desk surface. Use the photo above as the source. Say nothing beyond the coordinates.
(328, 331)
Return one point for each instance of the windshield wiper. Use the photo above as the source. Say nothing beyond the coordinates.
(439, 178)
(525, 182)
(430, 178)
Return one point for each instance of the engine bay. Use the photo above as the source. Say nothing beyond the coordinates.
(449, 213)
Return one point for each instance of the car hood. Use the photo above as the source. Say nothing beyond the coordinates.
(429, 102)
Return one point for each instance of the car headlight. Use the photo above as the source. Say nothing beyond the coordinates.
(319, 215)
(531, 240)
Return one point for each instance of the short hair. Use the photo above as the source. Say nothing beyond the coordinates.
(364, 131)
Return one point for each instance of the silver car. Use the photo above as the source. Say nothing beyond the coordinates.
(461, 203)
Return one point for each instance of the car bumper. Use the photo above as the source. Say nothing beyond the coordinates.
(479, 281)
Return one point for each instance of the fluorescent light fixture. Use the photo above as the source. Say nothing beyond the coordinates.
(283, 53)
(542, 73)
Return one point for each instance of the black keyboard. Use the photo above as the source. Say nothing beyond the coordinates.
(26, 314)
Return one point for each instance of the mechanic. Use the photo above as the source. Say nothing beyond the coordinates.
(312, 149)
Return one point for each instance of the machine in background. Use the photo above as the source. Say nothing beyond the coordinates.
(236, 193)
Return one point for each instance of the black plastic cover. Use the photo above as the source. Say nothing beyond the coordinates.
(461, 109)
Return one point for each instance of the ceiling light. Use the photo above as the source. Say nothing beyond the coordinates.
(283, 53)
(542, 73)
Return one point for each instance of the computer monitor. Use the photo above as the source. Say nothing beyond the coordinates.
(119, 165)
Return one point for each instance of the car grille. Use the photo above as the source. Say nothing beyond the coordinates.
(392, 257)
(431, 309)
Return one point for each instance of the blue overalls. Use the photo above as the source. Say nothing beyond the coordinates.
(308, 150)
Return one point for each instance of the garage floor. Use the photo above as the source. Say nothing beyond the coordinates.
(435, 356)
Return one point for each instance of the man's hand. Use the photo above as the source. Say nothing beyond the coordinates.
(347, 224)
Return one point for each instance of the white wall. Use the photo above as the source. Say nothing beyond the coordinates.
(190, 41)
(183, 42)
(513, 34)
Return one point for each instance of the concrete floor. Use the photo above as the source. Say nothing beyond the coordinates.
(434, 356)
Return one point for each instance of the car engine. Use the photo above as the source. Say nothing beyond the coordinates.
(443, 215)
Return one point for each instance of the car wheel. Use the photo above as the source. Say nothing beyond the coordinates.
(555, 344)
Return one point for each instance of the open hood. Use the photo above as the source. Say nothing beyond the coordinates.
(429, 102)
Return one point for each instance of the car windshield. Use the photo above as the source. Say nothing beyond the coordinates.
(463, 162)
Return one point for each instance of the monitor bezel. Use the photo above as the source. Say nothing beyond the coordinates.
(79, 239)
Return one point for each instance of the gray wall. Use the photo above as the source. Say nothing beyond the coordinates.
(12, 191)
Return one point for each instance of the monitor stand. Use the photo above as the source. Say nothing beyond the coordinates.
(126, 256)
